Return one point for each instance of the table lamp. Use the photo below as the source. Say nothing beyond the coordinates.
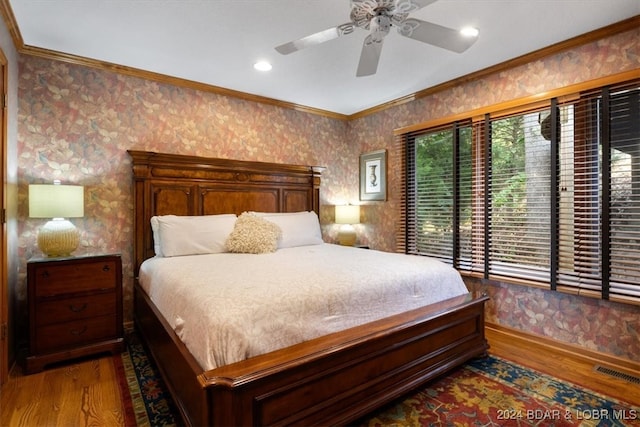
(58, 237)
(347, 215)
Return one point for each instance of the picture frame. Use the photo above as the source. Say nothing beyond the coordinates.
(373, 176)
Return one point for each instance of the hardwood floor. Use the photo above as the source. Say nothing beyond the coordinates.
(86, 393)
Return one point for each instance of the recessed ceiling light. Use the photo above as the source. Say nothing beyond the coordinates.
(469, 32)
(262, 66)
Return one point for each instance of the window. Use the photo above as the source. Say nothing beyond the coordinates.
(519, 209)
(599, 234)
(624, 216)
(548, 196)
(442, 186)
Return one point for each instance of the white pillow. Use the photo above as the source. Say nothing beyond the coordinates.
(155, 227)
(298, 228)
(191, 235)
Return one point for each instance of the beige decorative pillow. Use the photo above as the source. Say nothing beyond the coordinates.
(253, 235)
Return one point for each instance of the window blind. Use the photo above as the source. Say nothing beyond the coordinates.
(600, 195)
(624, 204)
(520, 199)
(548, 196)
(469, 249)
(434, 194)
(580, 233)
(438, 193)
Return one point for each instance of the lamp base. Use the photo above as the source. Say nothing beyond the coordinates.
(58, 237)
(347, 235)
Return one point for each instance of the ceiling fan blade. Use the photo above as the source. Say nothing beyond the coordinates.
(369, 57)
(437, 35)
(408, 6)
(317, 38)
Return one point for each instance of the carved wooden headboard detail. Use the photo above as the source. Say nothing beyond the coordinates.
(172, 184)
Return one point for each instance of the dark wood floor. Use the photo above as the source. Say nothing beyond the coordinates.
(87, 393)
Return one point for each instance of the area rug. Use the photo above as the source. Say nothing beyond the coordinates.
(496, 392)
(145, 398)
(484, 392)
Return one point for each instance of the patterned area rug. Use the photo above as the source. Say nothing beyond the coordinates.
(145, 397)
(484, 392)
(495, 392)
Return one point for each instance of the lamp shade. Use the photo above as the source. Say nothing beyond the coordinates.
(56, 201)
(348, 214)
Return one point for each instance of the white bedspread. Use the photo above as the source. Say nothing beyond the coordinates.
(228, 307)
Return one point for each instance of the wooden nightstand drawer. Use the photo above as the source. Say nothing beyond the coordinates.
(70, 309)
(66, 278)
(85, 331)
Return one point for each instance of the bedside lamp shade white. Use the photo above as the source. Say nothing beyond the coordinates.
(347, 215)
(57, 237)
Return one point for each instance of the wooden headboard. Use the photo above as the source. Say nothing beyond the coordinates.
(172, 184)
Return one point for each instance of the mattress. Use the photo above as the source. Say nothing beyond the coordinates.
(228, 307)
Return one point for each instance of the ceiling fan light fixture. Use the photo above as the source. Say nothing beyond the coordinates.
(262, 66)
(469, 32)
(379, 27)
(377, 17)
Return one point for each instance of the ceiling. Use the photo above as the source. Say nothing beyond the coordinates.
(216, 42)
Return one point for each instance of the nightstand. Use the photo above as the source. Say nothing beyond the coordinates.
(75, 308)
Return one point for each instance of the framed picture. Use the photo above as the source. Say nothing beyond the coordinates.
(373, 175)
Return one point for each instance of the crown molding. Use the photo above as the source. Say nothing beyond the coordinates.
(12, 26)
(11, 23)
(175, 81)
(540, 100)
(610, 30)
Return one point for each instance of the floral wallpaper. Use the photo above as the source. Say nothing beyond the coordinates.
(76, 124)
(597, 325)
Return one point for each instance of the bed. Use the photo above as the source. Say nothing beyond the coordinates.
(331, 377)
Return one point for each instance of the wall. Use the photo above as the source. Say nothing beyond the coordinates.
(599, 325)
(76, 124)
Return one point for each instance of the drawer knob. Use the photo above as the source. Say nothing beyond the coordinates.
(106, 267)
(78, 332)
(77, 309)
(45, 273)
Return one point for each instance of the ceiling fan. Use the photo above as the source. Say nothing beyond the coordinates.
(378, 16)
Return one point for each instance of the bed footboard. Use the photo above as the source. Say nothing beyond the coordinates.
(344, 376)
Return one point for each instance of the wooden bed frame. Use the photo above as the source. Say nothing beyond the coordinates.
(330, 380)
